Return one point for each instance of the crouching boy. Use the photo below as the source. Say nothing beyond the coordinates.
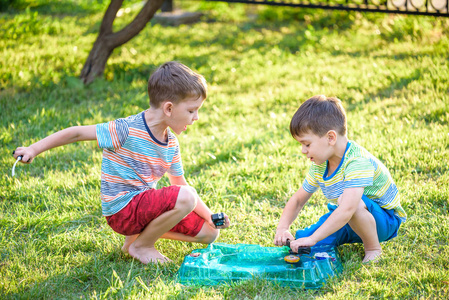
(364, 203)
(137, 152)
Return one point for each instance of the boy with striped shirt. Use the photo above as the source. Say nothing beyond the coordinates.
(137, 152)
(364, 203)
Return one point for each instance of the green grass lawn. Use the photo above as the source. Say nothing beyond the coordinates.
(261, 63)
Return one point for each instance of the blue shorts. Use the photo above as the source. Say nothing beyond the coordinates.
(387, 224)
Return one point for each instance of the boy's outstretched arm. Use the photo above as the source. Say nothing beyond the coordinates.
(60, 138)
(291, 211)
(201, 208)
(348, 203)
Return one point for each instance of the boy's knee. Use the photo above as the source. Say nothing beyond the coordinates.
(187, 198)
(208, 234)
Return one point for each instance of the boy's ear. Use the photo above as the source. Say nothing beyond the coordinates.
(332, 137)
(167, 107)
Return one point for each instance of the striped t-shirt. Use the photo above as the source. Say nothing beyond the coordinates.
(133, 160)
(358, 168)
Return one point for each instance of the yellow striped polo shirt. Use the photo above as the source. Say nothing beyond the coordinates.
(358, 168)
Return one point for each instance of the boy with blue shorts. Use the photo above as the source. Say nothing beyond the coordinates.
(364, 203)
(137, 152)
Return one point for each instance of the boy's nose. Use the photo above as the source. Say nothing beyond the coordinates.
(303, 150)
(196, 117)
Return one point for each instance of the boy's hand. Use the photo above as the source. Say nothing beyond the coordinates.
(27, 154)
(302, 242)
(281, 238)
(226, 224)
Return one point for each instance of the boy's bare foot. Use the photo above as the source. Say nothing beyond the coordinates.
(129, 239)
(372, 256)
(147, 255)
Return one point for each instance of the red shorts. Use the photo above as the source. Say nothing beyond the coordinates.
(147, 206)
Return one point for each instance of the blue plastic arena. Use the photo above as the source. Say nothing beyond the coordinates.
(222, 263)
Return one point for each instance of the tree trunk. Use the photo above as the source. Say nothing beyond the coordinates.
(96, 61)
(107, 40)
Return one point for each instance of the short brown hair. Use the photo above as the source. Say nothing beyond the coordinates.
(318, 115)
(175, 82)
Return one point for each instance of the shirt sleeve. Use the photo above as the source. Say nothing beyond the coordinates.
(310, 184)
(176, 168)
(112, 135)
(359, 173)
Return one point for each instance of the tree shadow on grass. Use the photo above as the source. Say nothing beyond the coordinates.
(234, 39)
(387, 91)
